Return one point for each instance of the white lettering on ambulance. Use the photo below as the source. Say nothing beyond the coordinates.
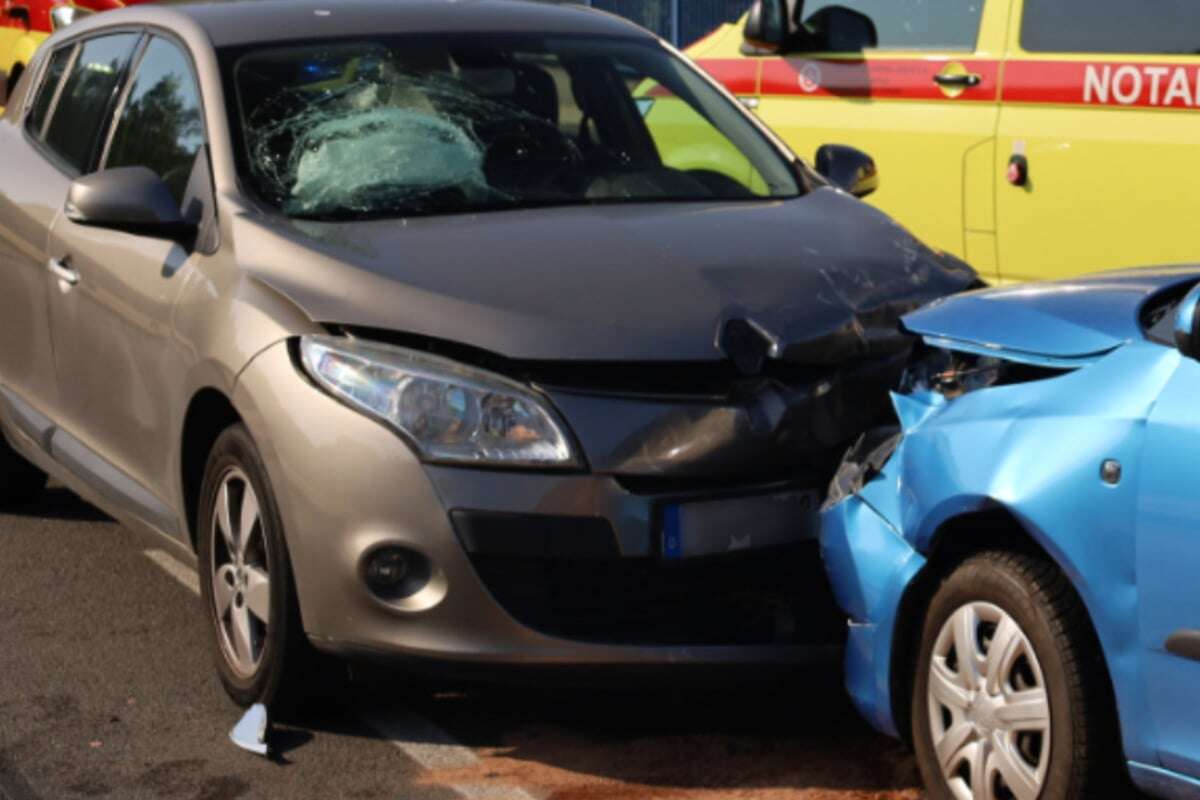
(1127, 98)
(1153, 85)
(1096, 85)
(1155, 74)
(1179, 89)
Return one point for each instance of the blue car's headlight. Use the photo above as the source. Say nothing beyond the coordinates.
(952, 374)
(449, 412)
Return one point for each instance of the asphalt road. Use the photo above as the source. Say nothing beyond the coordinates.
(107, 690)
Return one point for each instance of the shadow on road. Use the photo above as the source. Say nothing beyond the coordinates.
(775, 740)
(57, 503)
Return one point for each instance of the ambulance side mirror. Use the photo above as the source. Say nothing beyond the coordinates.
(848, 168)
(1187, 325)
(767, 26)
(837, 29)
(21, 13)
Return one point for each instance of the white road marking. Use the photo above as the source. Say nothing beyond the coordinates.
(178, 570)
(436, 750)
(421, 740)
(417, 737)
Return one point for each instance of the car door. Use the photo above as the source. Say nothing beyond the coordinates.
(1168, 564)
(1100, 101)
(39, 164)
(923, 102)
(111, 322)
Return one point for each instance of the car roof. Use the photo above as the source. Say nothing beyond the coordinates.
(231, 23)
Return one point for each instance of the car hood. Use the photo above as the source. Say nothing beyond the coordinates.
(1064, 319)
(822, 278)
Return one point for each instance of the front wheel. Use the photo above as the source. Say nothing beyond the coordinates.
(246, 579)
(1010, 700)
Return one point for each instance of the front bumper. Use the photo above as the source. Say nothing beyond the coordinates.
(870, 566)
(593, 593)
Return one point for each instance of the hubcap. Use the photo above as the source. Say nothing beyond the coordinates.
(241, 574)
(988, 708)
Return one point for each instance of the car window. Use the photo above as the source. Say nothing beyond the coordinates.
(943, 25)
(160, 126)
(436, 124)
(1168, 27)
(55, 70)
(86, 98)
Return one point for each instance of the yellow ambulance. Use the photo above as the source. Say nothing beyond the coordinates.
(1034, 138)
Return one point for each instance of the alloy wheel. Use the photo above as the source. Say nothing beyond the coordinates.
(988, 707)
(241, 574)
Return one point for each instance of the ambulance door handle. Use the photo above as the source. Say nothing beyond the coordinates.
(967, 81)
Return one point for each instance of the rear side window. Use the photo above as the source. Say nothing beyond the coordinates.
(49, 86)
(160, 126)
(86, 96)
(942, 25)
(1157, 27)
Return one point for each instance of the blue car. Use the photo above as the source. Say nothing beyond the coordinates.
(1019, 556)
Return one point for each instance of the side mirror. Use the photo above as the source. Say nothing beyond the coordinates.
(767, 25)
(848, 168)
(130, 199)
(837, 29)
(21, 13)
(1187, 325)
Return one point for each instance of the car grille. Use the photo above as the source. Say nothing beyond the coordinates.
(776, 596)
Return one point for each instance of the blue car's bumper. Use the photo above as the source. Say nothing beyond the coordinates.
(875, 566)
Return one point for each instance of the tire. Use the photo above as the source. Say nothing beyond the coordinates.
(21, 483)
(272, 661)
(1031, 633)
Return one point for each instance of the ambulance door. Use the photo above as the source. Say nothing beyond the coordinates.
(1097, 143)
(922, 100)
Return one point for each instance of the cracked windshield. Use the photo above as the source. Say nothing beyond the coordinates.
(428, 125)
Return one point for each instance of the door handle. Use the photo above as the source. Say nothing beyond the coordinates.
(967, 81)
(59, 269)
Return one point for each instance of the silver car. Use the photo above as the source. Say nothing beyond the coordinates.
(483, 334)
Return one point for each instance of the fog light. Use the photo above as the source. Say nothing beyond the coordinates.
(395, 573)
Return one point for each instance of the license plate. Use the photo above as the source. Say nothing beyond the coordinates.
(712, 527)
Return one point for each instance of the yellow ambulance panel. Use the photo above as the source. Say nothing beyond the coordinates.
(1034, 138)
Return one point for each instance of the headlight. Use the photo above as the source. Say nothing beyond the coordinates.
(449, 412)
(952, 374)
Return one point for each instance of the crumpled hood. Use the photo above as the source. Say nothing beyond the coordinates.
(1065, 319)
(824, 276)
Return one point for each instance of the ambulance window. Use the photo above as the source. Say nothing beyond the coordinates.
(940, 25)
(1167, 27)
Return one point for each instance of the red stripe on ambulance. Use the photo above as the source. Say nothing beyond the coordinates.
(1117, 84)
(884, 79)
(738, 75)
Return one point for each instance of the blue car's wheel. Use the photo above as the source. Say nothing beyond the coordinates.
(1005, 706)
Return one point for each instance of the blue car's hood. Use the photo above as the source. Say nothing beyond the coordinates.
(1065, 319)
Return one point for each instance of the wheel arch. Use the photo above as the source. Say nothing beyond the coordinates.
(954, 540)
(209, 413)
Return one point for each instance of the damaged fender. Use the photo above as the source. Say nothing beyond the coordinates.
(1027, 447)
